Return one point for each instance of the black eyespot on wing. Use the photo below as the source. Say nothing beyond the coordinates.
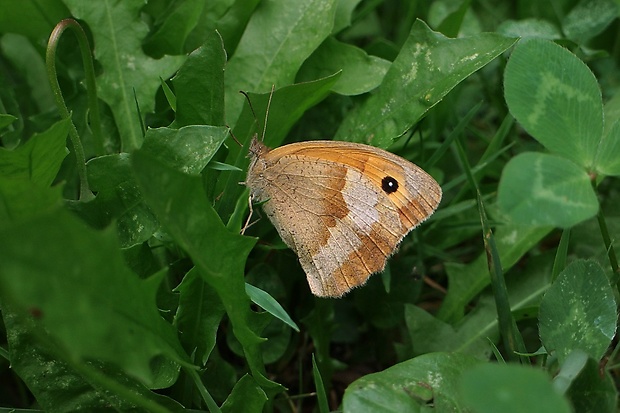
(389, 185)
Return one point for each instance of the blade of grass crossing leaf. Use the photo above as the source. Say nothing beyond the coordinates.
(142, 125)
(513, 341)
(320, 389)
(560, 256)
(498, 355)
(269, 304)
(498, 138)
(460, 127)
(204, 393)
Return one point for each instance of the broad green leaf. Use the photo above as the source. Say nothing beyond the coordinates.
(22, 200)
(128, 74)
(199, 85)
(532, 27)
(76, 280)
(277, 40)
(578, 312)
(26, 58)
(6, 120)
(66, 386)
(490, 388)
(269, 304)
(556, 98)
(344, 11)
(589, 18)
(471, 334)
(198, 316)
(118, 198)
(428, 66)
(246, 396)
(30, 19)
(468, 280)
(109, 171)
(188, 149)
(179, 21)
(361, 72)
(39, 159)
(182, 207)
(593, 390)
(410, 385)
(537, 189)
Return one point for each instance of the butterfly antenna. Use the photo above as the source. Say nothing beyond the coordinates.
(267, 112)
(250, 104)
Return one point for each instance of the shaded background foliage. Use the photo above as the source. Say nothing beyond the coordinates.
(138, 293)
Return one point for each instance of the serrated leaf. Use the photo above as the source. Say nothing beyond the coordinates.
(578, 312)
(199, 85)
(428, 66)
(545, 190)
(76, 280)
(556, 98)
(39, 159)
(118, 32)
(407, 386)
(276, 41)
(246, 396)
(184, 210)
(188, 149)
(33, 356)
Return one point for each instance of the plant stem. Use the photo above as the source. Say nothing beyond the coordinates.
(50, 62)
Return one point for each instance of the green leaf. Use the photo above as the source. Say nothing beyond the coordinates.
(181, 205)
(467, 281)
(22, 200)
(531, 27)
(269, 304)
(77, 282)
(545, 190)
(556, 98)
(589, 18)
(276, 41)
(39, 159)
(428, 66)
(408, 386)
(247, 396)
(198, 316)
(199, 85)
(511, 389)
(471, 334)
(593, 390)
(188, 149)
(118, 32)
(180, 20)
(6, 120)
(578, 312)
(361, 72)
(67, 386)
